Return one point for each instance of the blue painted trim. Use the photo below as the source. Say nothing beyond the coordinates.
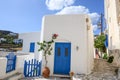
(60, 66)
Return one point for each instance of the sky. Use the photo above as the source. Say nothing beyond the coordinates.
(23, 16)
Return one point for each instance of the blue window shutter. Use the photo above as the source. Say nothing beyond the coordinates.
(32, 47)
(106, 41)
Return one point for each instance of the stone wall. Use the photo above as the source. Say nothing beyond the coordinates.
(101, 65)
(116, 54)
(102, 71)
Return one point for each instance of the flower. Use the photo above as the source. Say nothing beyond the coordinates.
(55, 36)
(46, 47)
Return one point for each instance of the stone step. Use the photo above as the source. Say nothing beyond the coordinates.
(101, 65)
(14, 77)
(42, 78)
(62, 76)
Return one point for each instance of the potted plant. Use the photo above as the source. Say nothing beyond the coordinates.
(71, 75)
(46, 47)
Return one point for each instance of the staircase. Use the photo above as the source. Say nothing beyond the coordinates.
(101, 65)
(15, 76)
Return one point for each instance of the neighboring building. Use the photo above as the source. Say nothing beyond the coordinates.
(2, 40)
(112, 15)
(12, 34)
(95, 36)
(17, 41)
(30, 43)
(73, 49)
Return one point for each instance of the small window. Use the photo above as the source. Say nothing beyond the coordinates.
(32, 47)
(87, 20)
(88, 27)
(58, 52)
(66, 51)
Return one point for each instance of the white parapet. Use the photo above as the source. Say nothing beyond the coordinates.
(19, 65)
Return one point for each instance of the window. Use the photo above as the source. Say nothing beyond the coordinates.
(88, 27)
(58, 51)
(32, 47)
(66, 51)
(87, 20)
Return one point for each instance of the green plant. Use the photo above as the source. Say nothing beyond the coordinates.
(99, 43)
(46, 47)
(110, 59)
(105, 56)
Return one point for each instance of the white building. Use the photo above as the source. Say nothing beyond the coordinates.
(73, 49)
(2, 39)
(112, 15)
(17, 41)
(12, 34)
(30, 43)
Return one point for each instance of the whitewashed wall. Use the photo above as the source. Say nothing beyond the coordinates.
(91, 49)
(27, 39)
(20, 61)
(19, 65)
(73, 29)
(3, 62)
(112, 24)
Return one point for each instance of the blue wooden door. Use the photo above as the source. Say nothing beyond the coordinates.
(62, 58)
(32, 47)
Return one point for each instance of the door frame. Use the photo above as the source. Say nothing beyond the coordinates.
(55, 56)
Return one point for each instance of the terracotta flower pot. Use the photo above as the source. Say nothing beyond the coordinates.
(46, 72)
(71, 75)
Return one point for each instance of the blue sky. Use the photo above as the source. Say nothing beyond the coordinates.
(26, 15)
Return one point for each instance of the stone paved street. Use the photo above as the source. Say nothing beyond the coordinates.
(96, 76)
(41, 78)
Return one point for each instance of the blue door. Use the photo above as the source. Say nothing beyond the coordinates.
(62, 58)
(32, 47)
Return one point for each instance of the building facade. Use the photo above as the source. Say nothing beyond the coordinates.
(30, 43)
(112, 16)
(73, 50)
